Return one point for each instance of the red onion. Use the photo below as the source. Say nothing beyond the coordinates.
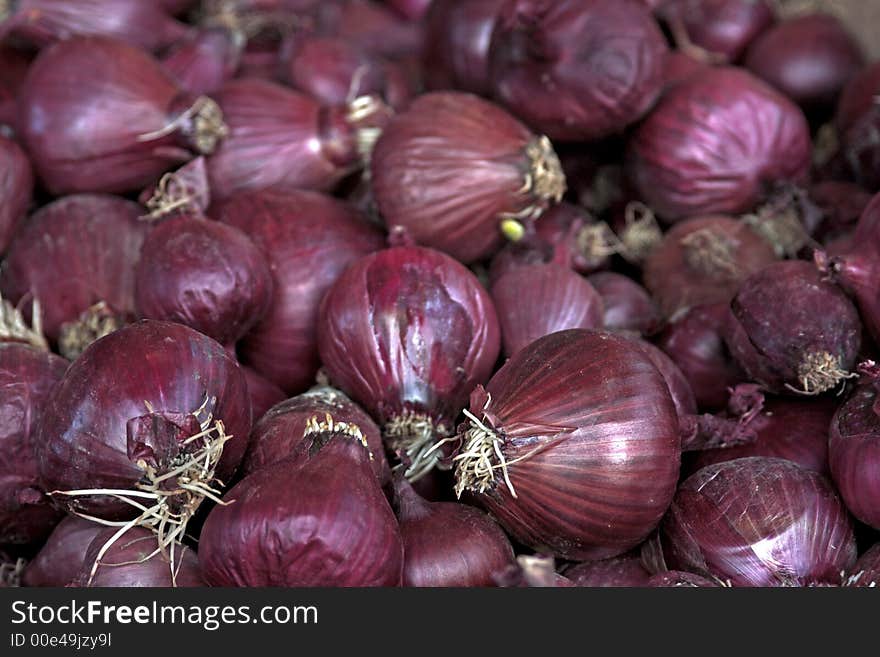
(136, 122)
(695, 342)
(263, 393)
(809, 58)
(678, 578)
(147, 447)
(411, 9)
(628, 306)
(841, 204)
(61, 557)
(319, 521)
(857, 121)
(407, 332)
(202, 63)
(457, 39)
(703, 260)
(623, 571)
(854, 450)
(678, 67)
(447, 543)
(371, 26)
(714, 143)
(136, 560)
(679, 388)
(205, 274)
(453, 168)
(577, 70)
(793, 331)
(866, 572)
(40, 22)
(759, 522)
(535, 300)
(573, 446)
(13, 70)
(16, 189)
(308, 239)
(716, 30)
(27, 377)
(77, 257)
(279, 433)
(532, 571)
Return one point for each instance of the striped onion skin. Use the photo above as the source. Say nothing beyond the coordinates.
(854, 454)
(866, 572)
(759, 521)
(589, 434)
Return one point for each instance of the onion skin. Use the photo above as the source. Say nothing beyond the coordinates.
(703, 261)
(16, 189)
(866, 572)
(759, 522)
(202, 63)
(279, 433)
(857, 120)
(678, 578)
(623, 571)
(793, 331)
(584, 398)
(679, 388)
(321, 522)
(809, 58)
(83, 434)
(205, 274)
(128, 105)
(263, 393)
(73, 253)
(577, 70)
(448, 544)
(450, 168)
(59, 560)
(411, 9)
(14, 66)
(714, 143)
(370, 26)
(841, 204)
(27, 378)
(125, 564)
(535, 300)
(308, 239)
(628, 306)
(678, 67)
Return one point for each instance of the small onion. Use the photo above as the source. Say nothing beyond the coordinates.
(370, 26)
(866, 572)
(308, 239)
(628, 306)
(451, 168)
(321, 521)
(857, 121)
(759, 522)
(841, 204)
(577, 70)
(535, 300)
(407, 332)
(623, 571)
(202, 63)
(714, 143)
(447, 543)
(16, 189)
(134, 122)
(573, 446)
(59, 560)
(793, 331)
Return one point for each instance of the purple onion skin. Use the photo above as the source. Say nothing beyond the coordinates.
(14, 64)
(370, 26)
(854, 454)
(308, 239)
(714, 143)
(628, 306)
(321, 522)
(73, 253)
(703, 260)
(841, 204)
(759, 522)
(408, 329)
(59, 560)
(679, 388)
(126, 96)
(279, 433)
(793, 429)
(623, 571)
(536, 300)
(16, 189)
(447, 544)
(793, 331)
(678, 67)
(411, 9)
(585, 397)
(695, 342)
(205, 274)
(678, 578)
(263, 393)
(27, 378)
(203, 63)
(447, 169)
(139, 23)
(809, 58)
(866, 572)
(857, 120)
(577, 70)
(83, 436)
(457, 39)
(125, 563)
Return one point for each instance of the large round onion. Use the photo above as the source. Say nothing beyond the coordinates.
(577, 70)
(573, 446)
(202, 63)
(452, 167)
(715, 142)
(16, 188)
(759, 522)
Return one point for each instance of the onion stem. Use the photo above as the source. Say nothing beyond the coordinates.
(820, 372)
(94, 323)
(13, 327)
(413, 435)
